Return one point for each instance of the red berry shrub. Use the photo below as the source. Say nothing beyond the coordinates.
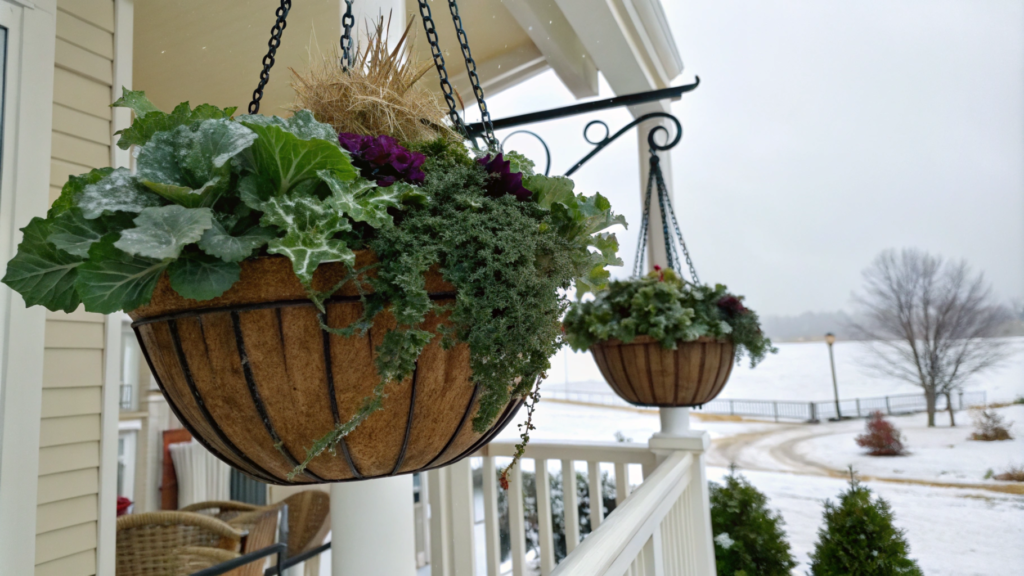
(881, 437)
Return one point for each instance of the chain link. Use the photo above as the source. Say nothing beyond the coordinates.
(347, 22)
(435, 51)
(268, 60)
(474, 79)
(667, 215)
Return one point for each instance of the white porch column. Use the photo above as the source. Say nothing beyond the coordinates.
(372, 527)
(655, 236)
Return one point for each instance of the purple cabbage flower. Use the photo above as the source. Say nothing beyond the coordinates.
(502, 180)
(381, 158)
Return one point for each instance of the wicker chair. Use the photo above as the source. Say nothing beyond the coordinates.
(221, 509)
(309, 520)
(150, 544)
(261, 526)
(191, 559)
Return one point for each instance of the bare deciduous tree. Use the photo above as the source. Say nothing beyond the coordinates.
(930, 322)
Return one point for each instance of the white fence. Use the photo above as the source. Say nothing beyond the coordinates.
(662, 528)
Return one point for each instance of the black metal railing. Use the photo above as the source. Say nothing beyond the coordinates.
(282, 562)
(811, 411)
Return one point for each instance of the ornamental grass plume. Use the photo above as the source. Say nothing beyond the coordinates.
(378, 95)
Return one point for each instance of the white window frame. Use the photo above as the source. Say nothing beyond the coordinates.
(24, 194)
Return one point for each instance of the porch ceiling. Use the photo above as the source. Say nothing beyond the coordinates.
(205, 51)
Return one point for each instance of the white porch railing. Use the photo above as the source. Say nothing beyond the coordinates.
(662, 528)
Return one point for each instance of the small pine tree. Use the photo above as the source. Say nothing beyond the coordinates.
(859, 539)
(749, 539)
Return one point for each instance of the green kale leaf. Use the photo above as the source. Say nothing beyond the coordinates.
(201, 277)
(216, 241)
(149, 120)
(113, 280)
(290, 152)
(118, 191)
(42, 273)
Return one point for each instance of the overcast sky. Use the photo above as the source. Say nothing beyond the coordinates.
(823, 133)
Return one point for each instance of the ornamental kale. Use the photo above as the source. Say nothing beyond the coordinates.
(382, 159)
(664, 307)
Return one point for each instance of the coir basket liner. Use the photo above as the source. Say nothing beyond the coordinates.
(644, 373)
(255, 379)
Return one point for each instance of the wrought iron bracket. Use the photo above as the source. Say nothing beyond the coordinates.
(599, 144)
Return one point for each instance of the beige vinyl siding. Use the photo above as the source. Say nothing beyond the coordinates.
(69, 454)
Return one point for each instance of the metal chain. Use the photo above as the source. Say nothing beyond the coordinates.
(679, 232)
(638, 262)
(667, 215)
(347, 21)
(268, 60)
(435, 51)
(474, 79)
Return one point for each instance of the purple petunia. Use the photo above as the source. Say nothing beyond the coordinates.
(731, 305)
(381, 158)
(502, 180)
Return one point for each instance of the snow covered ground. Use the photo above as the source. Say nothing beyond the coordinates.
(800, 371)
(951, 531)
(940, 454)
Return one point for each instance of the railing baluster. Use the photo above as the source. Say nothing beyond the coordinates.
(492, 542)
(440, 523)
(462, 516)
(544, 530)
(596, 498)
(572, 511)
(517, 532)
(621, 482)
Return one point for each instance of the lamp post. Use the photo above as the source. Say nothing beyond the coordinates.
(830, 339)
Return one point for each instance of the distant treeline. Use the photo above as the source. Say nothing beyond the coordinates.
(812, 326)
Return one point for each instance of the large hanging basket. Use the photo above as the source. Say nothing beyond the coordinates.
(253, 377)
(644, 373)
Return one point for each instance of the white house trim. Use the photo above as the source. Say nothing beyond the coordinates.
(24, 194)
(106, 521)
(555, 38)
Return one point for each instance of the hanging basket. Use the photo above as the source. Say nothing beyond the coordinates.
(644, 373)
(254, 378)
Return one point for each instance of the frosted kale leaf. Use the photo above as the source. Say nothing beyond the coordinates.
(364, 201)
(550, 189)
(162, 232)
(216, 241)
(201, 277)
(42, 273)
(190, 167)
(149, 120)
(302, 124)
(285, 160)
(113, 280)
(119, 191)
(73, 188)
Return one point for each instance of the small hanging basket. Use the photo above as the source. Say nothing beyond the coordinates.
(253, 376)
(644, 373)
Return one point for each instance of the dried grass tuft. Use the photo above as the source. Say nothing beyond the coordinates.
(378, 95)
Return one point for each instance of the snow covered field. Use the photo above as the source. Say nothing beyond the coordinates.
(800, 371)
(941, 454)
(952, 531)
